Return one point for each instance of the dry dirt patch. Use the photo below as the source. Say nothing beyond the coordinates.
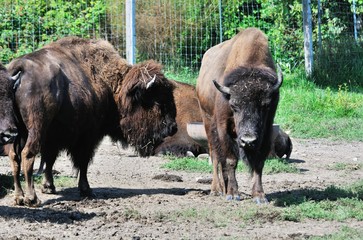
(134, 203)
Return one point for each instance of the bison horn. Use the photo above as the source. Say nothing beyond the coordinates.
(149, 84)
(16, 78)
(223, 89)
(279, 79)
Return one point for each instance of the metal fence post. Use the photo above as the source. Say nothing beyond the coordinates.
(130, 32)
(308, 36)
(220, 21)
(355, 22)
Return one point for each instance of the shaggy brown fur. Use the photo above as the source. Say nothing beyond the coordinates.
(187, 107)
(237, 88)
(73, 92)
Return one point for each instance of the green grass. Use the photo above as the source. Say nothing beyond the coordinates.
(330, 204)
(309, 111)
(59, 181)
(346, 166)
(272, 166)
(343, 234)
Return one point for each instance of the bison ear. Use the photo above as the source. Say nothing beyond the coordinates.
(226, 91)
(16, 78)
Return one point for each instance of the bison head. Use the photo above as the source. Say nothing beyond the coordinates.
(253, 96)
(147, 107)
(8, 85)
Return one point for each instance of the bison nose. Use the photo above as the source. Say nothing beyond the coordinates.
(248, 142)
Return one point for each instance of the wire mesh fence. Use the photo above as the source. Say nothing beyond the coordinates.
(178, 32)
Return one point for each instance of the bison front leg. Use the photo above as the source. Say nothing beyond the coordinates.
(28, 158)
(83, 185)
(258, 194)
(15, 163)
(81, 159)
(232, 186)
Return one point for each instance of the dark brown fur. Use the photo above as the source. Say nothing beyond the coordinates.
(238, 108)
(281, 145)
(71, 94)
(187, 107)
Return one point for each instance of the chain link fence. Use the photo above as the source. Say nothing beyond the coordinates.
(178, 32)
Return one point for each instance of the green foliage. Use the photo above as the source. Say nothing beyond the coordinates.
(28, 25)
(280, 20)
(339, 63)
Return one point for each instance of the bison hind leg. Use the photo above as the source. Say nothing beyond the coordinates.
(48, 157)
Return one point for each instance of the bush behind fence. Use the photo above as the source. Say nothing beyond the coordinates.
(178, 32)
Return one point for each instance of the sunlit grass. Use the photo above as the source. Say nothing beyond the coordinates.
(272, 166)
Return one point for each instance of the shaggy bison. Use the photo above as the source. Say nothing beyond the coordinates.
(238, 92)
(187, 107)
(71, 93)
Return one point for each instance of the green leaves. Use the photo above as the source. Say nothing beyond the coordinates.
(28, 25)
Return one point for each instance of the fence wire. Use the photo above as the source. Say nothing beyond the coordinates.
(178, 32)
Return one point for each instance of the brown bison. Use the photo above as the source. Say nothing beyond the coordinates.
(238, 92)
(69, 95)
(187, 108)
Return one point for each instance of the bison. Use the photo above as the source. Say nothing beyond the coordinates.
(281, 144)
(71, 93)
(187, 108)
(238, 92)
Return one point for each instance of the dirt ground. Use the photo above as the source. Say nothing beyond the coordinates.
(131, 204)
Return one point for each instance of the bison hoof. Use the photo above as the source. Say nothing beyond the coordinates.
(32, 202)
(216, 193)
(230, 198)
(260, 200)
(48, 189)
(19, 201)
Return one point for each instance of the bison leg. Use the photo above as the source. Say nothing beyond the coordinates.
(218, 186)
(83, 185)
(48, 181)
(232, 186)
(15, 162)
(28, 158)
(258, 194)
(81, 160)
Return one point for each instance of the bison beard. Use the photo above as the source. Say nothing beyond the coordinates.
(72, 93)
